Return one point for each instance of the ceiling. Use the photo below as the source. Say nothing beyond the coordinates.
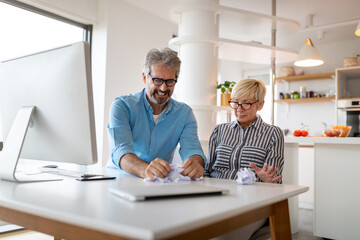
(333, 20)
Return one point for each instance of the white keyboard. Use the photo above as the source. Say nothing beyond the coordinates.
(69, 173)
(42, 177)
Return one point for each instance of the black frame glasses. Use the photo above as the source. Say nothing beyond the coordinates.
(244, 106)
(159, 81)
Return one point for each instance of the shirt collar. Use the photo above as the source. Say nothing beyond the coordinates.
(258, 122)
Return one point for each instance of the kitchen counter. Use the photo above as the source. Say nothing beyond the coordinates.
(336, 190)
(320, 139)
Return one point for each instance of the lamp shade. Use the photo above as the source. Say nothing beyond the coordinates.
(308, 56)
(357, 31)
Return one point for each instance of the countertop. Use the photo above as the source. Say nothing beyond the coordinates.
(321, 139)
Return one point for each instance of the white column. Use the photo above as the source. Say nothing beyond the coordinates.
(197, 48)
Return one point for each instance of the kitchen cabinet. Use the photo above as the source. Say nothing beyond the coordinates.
(348, 83)
(348, 99)
(308, 77)
(336, 190)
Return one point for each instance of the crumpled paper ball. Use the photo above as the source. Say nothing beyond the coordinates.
(174, 176)
(245, 176)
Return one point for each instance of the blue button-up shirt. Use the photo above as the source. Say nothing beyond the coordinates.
(131, 129)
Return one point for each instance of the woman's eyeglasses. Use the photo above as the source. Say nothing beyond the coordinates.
(159, 81)
(244, 106)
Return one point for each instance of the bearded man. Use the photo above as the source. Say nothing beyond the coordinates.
(144, 128)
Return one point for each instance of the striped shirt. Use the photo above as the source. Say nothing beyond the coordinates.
(231, 148)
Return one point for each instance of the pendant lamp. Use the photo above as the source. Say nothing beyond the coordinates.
(357, 32)
(308, 56)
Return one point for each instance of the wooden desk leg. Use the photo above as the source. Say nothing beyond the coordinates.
(280, 221)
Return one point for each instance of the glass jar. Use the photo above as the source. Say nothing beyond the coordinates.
(302, 92)
(295, 95)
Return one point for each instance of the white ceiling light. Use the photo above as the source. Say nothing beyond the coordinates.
(308, 56)
(357, 32)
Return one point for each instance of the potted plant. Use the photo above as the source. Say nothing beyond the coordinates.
(226, 89)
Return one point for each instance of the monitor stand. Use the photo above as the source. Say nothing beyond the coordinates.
(9, 156)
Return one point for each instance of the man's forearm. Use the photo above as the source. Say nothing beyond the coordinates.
(134, 165)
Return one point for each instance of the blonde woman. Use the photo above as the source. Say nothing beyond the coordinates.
(247, 142)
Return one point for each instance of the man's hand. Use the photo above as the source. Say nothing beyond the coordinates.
(194, 167)
(159, 168)
(266, 174)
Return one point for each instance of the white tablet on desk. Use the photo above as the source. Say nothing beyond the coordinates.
(161, 191)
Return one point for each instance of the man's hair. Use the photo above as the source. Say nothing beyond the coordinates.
(252, 88)
(164, 56)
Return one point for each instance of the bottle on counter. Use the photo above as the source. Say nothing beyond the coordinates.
(302, 92)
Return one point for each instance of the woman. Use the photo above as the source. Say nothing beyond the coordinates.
(246, 142)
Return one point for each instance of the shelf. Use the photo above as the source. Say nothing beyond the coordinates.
(305, 100)
(241, 51)
(253, 52)
(246, 39)
(307, 77)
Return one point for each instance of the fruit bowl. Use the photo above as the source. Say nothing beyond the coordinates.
(332, 132)
(345, 130)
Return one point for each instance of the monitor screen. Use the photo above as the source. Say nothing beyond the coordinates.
(46, 105)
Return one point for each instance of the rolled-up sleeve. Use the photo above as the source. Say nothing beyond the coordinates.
(189, 141)
(119, 130)
(211, 155)
(275, 156)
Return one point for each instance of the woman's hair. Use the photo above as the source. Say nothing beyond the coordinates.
(165, 56)
(251, 88)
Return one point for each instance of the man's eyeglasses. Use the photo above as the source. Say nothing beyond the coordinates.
(159, 81)
(244, 106)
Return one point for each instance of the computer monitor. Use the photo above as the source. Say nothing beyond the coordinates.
(47, 109)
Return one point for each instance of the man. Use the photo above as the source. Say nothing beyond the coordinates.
(145, 127)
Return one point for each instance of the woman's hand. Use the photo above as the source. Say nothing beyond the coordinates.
(266, 174)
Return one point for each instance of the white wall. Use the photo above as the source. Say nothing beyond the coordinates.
(131, 33)
(122, 36)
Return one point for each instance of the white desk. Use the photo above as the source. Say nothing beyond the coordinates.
(71, 209)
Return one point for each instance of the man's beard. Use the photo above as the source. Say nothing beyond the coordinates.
(160, 101)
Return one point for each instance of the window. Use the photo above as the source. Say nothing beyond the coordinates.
(25, 29)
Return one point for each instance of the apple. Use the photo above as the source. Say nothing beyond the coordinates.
(304, 133)
(297, 133)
